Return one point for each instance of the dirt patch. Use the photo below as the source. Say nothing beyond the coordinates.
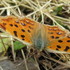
(18, 65)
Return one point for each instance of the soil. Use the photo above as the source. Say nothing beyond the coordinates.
(18, 65)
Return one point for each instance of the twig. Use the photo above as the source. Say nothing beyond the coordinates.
(13, 52)
(24, 59)
(36, 63)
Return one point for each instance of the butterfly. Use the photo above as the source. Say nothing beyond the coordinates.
(34, 34)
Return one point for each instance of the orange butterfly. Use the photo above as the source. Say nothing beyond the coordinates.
(40, 36)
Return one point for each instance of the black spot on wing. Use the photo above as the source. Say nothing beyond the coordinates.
(67, 48)
(22, 30)
(56, 37)
(22, 36)
(29, 31)
(52, 37)
(60, 41)
(68, 40)
(23, 39)
(11, 25)
(15, 33)
(57, 49)
(30, 27)
(58, 46)
(16, 25)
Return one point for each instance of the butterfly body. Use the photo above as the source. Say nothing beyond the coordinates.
(35, 34)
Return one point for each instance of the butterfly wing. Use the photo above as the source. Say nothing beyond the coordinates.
(19, 28)
(54, 32)
(59, 40)
(60, 45)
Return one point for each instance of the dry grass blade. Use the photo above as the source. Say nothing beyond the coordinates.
(1, 68)
(37, 65)
(13, 52)
(24, 59)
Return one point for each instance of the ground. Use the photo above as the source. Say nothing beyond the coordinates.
(18, 65)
